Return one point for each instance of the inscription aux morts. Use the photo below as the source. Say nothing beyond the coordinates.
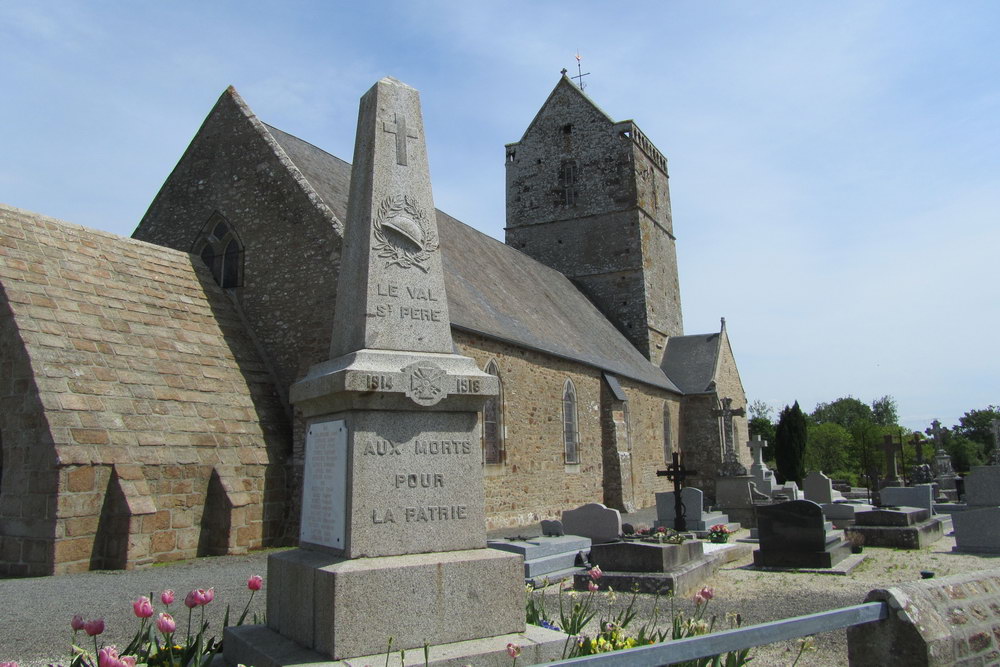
(382, 447)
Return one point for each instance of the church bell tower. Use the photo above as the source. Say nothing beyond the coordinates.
(589, 197)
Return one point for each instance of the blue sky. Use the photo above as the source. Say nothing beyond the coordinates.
(835, 167)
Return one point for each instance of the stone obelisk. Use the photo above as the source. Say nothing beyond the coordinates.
(393, 531)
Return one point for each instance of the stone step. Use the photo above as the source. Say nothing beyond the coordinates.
(540, 547)
(538, 567)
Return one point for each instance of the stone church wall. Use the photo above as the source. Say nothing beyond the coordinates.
(28, 477)
(290, 249)
(534, 482)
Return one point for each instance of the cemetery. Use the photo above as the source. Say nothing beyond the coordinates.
(396, 559)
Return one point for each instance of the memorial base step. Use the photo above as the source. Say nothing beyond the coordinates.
(802, 559)
(900, 537)
(260, 646)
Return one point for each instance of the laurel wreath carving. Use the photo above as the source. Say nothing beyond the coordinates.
(392, 207)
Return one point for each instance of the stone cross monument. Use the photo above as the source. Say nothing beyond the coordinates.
(731, 465)
(393, 531)
(763, 477)
(891, 471)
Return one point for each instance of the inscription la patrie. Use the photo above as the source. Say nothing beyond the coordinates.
(406, 481)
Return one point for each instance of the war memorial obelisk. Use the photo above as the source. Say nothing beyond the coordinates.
(393, 532)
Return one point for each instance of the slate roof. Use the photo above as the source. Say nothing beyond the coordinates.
(133, 344)
(495, 290)
(690, 361)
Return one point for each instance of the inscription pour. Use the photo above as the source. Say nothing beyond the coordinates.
(423, 294)
(422, 513)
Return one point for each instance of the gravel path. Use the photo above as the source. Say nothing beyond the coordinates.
(35, 613)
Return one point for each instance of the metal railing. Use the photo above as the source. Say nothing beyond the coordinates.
(691, 648)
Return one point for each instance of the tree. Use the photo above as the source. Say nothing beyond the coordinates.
(828, 449)
(845, 411)
(790, 444)
(884, 411)
(977, 426)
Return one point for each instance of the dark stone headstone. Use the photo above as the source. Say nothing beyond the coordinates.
(552, 528)
(796, 534)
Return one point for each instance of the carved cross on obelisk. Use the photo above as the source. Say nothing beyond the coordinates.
(398, 127)
(731, 465)
(677, 473)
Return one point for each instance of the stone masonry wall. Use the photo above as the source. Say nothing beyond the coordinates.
(954, 620)
(590, 198)
(534, 483)
(142, 424)
(28, 478)
(291, 240)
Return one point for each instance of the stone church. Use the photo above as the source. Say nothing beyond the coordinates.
(145, 381)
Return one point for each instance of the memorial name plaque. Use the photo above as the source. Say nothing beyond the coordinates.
(324, 491)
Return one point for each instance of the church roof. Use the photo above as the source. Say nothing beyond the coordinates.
(133, 344)
(691, 361)
(495, 290)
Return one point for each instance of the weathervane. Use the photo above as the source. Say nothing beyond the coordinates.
(579, 71)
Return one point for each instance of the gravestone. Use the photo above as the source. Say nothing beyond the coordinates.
(944, 473)
(897, 527)
(547, 559)
(891, 471)
(593, 520)
(763, 477)
(392, 537)
(977, 529)
(818, 488)
(552, 528)
(698, 519)
(921, 495)
(797, 535)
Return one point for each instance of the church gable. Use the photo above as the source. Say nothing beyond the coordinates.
(236, 171)
(147, 385)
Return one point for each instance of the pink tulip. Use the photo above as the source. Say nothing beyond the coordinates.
(707, 593)
(192, 599)
(77, 622)
(698, 599)
(143, 607)
(513, 650)
(165, 623)
(8, 664)
(595, 572)
(108, 657)
(255, 583)
(591, 586)
(199, 596)
(167, 597)
(94, 626)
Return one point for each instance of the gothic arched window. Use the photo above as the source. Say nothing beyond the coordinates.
(493, 420)
(220, 248)
(571, 431)
(567, 182)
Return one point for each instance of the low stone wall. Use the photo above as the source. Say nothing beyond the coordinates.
(949, 621)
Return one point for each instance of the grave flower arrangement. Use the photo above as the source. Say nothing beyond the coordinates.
(719, 533)
(156, 643)
(660, 535)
